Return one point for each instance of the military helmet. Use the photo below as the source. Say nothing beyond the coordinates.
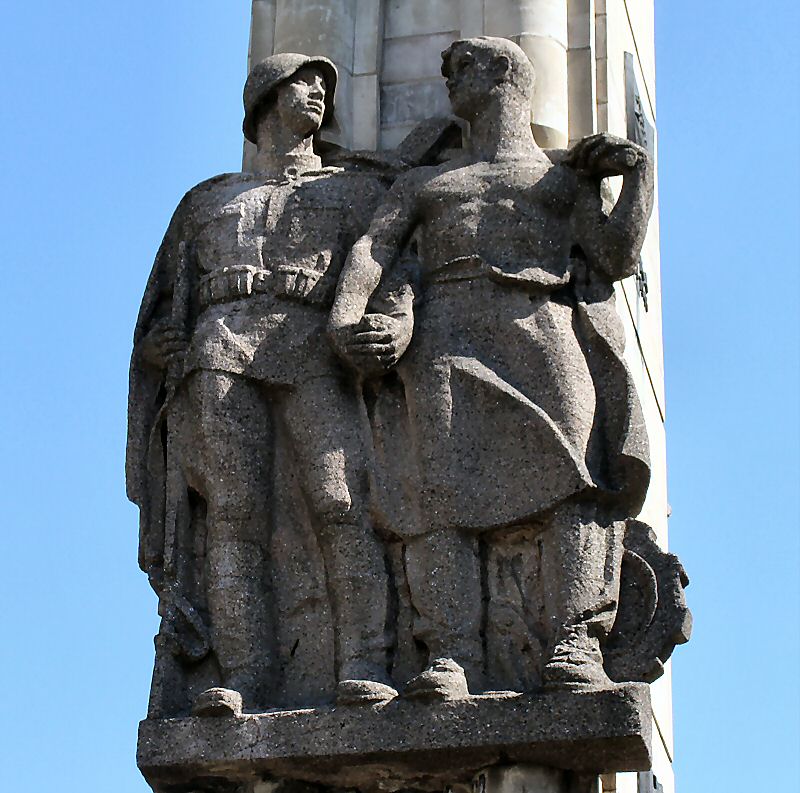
(267, 75)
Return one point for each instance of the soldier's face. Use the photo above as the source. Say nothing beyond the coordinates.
(470, 77)
(300, 101)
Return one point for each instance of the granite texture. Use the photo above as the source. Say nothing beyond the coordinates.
(401, 744)
(388, 455)
(510, 448)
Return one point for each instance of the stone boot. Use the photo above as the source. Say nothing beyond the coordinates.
(358, 590)
(240, 631)
(218, 702)
(444, 680)
(582, 561)
(576, 661)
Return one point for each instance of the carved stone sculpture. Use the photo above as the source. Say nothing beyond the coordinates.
(520, 409)
(383, 440)
(230, 360)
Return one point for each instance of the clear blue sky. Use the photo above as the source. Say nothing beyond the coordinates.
(112, 110)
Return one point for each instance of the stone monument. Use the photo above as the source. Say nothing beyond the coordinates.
(389, 457)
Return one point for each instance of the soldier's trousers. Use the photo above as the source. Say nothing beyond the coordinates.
(580, 567)
(227, 439)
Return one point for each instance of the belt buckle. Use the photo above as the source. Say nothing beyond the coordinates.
(288, 281)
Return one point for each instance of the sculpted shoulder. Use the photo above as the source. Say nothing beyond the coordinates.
(356, 179)
(209, 191)
(410, 184)
(563, 181)
(361, 191)
(571, 180)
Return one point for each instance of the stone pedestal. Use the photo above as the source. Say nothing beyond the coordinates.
(409, 745)
(384, 435)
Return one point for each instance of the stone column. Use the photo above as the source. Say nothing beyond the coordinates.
(367, 56)
(387, 52)
(262, 31)
(522, 778)
(582, 74)
(316, 28)
(349, 32)
(262, 43)
(540, 28)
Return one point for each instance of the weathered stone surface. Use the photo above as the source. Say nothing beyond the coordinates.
(444, 680)
(404, 744)
(401, 103)
(388, 453)
(247, 452)
(512, 425)
(220, 702)
(653, 617)
(417, 18)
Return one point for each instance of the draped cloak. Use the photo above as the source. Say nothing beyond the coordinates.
(512, 398)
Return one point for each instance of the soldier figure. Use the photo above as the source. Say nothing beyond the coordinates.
(520, 407)
(230, 352)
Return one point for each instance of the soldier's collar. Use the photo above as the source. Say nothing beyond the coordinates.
(288, 167)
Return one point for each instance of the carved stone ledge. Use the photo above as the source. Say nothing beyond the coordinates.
(401, 744)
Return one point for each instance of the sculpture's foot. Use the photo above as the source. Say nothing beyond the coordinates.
(442, 681)
(576, 663)
(218, 702)
(363, 692)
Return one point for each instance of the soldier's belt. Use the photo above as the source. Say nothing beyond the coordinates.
(462, 268)
(292, 282)
(469, 268)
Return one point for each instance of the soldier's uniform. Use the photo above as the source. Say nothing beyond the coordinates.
(267, 257)
(249, 268)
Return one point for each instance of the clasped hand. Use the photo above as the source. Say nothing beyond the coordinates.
(375, 344)
(165, 345)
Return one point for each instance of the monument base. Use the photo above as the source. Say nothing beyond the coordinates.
(401, 744)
